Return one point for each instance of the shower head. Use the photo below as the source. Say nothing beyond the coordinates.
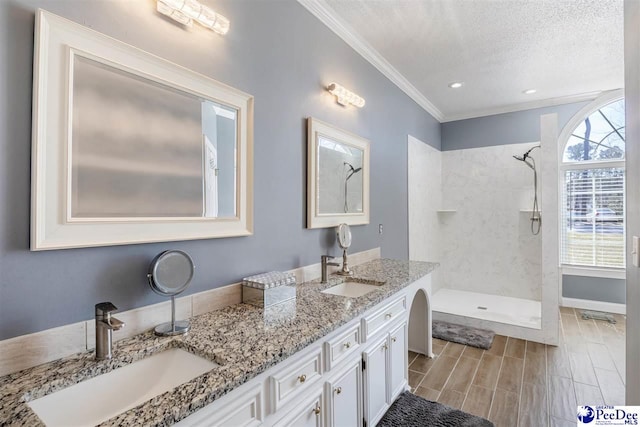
(524, 160)
(352, 170)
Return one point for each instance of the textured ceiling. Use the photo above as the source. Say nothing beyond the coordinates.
(498, 48)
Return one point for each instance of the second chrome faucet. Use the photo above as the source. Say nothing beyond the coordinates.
(324, 264)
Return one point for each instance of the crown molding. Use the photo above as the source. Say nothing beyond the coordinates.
(550, 102)
(321, 10)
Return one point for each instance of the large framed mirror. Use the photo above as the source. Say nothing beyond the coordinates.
(337, 176)
(130, 148)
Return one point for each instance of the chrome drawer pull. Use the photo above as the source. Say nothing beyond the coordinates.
(347, 344)
(388, 316)
(317, 410)
(302, 378)
(338, 390)
(393, 339)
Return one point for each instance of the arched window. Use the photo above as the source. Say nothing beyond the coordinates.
(593, 184)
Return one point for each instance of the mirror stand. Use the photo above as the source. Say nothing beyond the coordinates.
(173, 328)
(345, 268)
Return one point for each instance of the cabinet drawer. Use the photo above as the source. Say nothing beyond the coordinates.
(240, 408)
(373, 323)
(295, 378)
(342, 346)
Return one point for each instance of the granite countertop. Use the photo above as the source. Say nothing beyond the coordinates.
(244, 340)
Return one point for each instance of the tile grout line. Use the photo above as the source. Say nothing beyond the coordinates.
(497, 379)
(450, 373)
(546, 384)
(472, 378)
(424, 376)
(524, 365)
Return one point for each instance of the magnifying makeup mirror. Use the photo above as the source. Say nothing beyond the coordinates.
(170, 274)
(344, 240)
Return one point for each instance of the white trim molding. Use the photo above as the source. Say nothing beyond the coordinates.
(325, 14)
(604, 273)
(321, 10)
(531, 105)
(585, 304)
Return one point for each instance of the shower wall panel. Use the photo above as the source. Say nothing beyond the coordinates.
(425, 200)
(486, 240)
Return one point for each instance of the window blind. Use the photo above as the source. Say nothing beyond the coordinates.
(592, 221)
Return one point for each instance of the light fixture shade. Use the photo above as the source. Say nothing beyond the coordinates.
(210, 19)
(345, 96)
(187, 11)
(174, 14)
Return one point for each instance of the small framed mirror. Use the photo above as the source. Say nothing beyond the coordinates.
(337, 176)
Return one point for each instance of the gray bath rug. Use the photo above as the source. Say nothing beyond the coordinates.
(475, 337)
(410, 410)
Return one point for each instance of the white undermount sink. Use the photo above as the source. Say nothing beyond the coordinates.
(352, 288)
(105, 396)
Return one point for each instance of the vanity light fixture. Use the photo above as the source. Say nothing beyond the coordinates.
(187, 11)
(344, 96)
(529, 91)
(456, 85)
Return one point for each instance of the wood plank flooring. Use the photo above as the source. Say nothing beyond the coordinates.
(520, 383)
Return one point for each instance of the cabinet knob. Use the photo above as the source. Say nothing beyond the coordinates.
(385, 347)
(338, 390)
(347, 344)
(317, 410)
(302, 378)
(393, 339)
(388, 316)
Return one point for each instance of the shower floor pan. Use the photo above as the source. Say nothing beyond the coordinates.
(496, 308)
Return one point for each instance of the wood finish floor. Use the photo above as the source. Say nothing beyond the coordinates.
(521, 383)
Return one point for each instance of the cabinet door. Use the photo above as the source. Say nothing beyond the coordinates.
(375, 381)
(397, 361)
(344, 395)
(308, 414)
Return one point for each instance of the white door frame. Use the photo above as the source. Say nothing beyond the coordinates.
(632, 100)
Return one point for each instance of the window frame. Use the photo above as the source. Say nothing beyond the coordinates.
(563, 140)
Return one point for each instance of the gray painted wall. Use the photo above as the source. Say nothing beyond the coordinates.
(594, 288)
(276, 51)
(503, 129)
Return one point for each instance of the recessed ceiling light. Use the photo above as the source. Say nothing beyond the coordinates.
(529, 91)
(456, 85)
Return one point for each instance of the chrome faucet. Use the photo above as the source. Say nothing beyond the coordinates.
(324, 263)
(105, 325)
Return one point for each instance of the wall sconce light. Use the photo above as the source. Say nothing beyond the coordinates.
(344, 96)
(187, 11)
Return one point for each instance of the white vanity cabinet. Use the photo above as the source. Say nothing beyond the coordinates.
(385, 371)
(375, 380)
(349, 378)
(343, 396)
(397, 361)
(308, 413)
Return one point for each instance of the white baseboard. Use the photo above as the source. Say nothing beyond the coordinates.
(585, 304)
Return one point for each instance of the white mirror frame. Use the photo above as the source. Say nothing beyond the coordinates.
(57, 40)
(316, 128)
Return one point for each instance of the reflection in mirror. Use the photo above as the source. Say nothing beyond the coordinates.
(337, 176)
(340, 179)
(142, 149)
